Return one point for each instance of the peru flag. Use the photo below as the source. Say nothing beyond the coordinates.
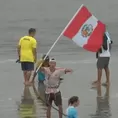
(85, 30)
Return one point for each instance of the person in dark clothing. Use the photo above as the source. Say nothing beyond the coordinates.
(103, 57)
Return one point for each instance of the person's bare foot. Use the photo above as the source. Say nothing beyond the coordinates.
(106, 84)
(94, 82)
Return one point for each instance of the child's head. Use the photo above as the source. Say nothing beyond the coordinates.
(46, 62)
(74, 101)
(47, 57)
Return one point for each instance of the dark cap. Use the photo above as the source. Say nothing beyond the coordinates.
(32, 30)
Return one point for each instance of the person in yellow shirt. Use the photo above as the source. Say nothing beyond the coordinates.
(27, 54)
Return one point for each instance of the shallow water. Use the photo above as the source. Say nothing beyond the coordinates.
(50, 17)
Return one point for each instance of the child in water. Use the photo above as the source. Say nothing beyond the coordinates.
(71, 111)
(41, 76)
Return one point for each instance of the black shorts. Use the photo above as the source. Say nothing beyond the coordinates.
(27, 66)
(53, 97)
(103, 62)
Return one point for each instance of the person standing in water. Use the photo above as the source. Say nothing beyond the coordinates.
(27, 54)
(52, 82)
(103, 58)
(41, 76)
(71, 111)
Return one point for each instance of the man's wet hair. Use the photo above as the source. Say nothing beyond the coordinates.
(73, 99)
(32, 30)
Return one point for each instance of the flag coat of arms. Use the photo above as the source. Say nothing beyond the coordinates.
(85, 30)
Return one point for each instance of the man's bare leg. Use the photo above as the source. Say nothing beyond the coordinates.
(25, 76)
(60, 111)
(49, 112)
(28, 75)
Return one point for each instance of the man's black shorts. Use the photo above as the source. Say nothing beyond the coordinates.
(53, 97)
(27, 66)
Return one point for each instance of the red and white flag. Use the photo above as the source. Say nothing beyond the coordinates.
(85, 30)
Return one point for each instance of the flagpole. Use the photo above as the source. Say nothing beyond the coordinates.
(58, 39)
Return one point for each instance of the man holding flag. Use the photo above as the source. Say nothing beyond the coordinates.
(52, 83)
(89, 33)
(103, 56)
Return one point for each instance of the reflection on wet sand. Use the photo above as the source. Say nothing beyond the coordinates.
(40, 98)
(40, 94)
(41, 90)
(103, 105)
(27, 108)
(33, 104)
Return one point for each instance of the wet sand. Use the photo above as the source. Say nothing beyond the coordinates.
(50, 17)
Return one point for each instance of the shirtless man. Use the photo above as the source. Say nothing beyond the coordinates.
(51, 82)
